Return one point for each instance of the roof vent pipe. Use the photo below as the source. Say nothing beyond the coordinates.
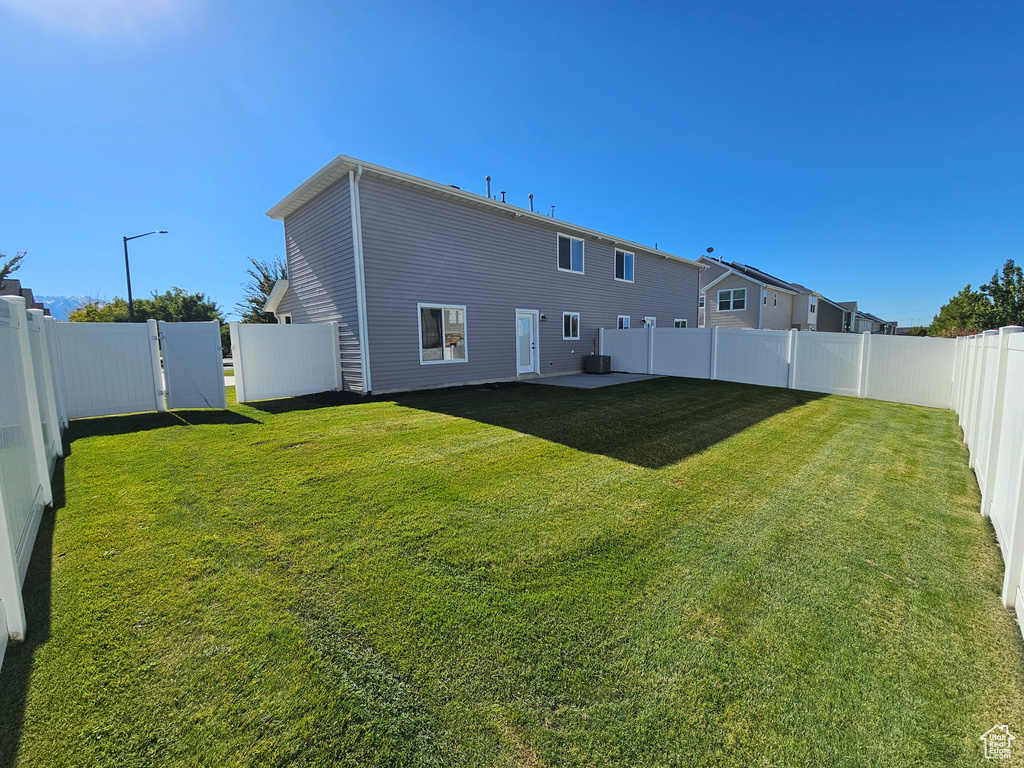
(552, 211)
(503, 195)
(488, 187)
(531, 202)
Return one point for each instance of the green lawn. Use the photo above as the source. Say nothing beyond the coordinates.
(672, 572)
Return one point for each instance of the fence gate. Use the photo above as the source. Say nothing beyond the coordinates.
(193, 365)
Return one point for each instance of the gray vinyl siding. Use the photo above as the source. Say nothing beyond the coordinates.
(801, 310)
(778, 318)
(830, 318)
(420, 248)
(713, 272)
(746, 318)
(321, 273)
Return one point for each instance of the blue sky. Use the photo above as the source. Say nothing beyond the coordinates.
(869, 150)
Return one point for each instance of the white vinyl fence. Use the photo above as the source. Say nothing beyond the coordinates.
(284, 360)
(29, 443)
(900, 369)
(987, 396)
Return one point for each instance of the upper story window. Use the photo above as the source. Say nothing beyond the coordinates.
(624, 266)
(622, 322)
(442, 333)
(764, 298)
(700, 301)
(570, 325)
(679, 322)
(732, 300)
(650, 322)
(814, 305)
(570, 254)
(775, 299)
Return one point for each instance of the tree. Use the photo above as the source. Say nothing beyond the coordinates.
(1007, 296)
(173, 306)
(8, 266)
(262, 276)
(968, 312)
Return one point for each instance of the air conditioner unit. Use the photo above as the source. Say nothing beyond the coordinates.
(598, 364)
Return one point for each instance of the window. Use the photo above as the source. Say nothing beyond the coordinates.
(624, 266)
(814, 305)
(775, 299)
(732, 300)
(570, 325)
(650, 322)
(285, 319)
(622, 322)
(764, 298)
(700, 301)
(679, 322)
(442, 333)
(570, 254)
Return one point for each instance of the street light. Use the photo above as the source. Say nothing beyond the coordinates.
(128, 272)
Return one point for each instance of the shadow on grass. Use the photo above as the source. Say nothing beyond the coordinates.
(142, 422)
(16, 674)
(653, 424)
(312, 402)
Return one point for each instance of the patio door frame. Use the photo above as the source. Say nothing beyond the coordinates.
(534, 339)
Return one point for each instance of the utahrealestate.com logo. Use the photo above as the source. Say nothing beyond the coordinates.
(997, 742)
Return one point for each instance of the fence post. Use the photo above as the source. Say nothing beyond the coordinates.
(650, 349)
(10, 582)
(714, 352)
(792, 357)
(158, 373)
(336, 352)
(32, 399)
(236, 362)
(865, 350)
(600, 340)
(995, 431)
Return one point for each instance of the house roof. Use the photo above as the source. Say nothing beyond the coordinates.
(339, 168)
(13, 287)
(753, 275)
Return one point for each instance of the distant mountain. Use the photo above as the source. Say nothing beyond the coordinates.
(60, 306)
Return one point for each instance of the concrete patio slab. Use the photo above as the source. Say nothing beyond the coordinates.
(591, 380)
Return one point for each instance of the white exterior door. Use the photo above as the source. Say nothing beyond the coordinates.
(193, 365)
(527, 341)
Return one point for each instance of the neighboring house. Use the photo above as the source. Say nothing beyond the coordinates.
(735, 295)
(433, 286)
(13, 288)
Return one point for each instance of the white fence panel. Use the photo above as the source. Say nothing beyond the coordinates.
(193, 365)
(682, 352)
(44, 386)
(829, 362)
(50, 326)
(752, 357)
(284, 360)
(24, 474)
(918, 371)
(628, 349)
(108, 368)
(1006, 455)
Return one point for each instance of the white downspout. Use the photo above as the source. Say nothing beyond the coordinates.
(357, 255)
(761, 296)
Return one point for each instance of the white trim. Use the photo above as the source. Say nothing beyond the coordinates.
(337, 168)
(583, 254)
(682, 320)
(650, 321)
(419, 331)
(615, 265)
(357, 258)
(276, 295)
(285, 318)
(577, 336)
(534, 339)
(618, 322)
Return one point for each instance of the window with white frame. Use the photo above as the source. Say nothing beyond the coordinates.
(764, 298)
(624, 266)
(622, 322)
(775, 299)
(285, 319)
(679, 322)
(650, 322)
(570, 254)
(570, 325)
(700, 301)
(732, 299)
(442, 333)
(814, 305)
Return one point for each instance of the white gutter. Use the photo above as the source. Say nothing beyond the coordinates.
(357, 257)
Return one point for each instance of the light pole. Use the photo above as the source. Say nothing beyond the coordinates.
(128, 271)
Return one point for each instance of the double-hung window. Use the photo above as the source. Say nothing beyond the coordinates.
(679, 322)
(814, 305)
(442, 333)
(624, 266)
(570, 254)
(732, 300)
(570, 325)
(775, 299)
(622, 322)
(700, 301)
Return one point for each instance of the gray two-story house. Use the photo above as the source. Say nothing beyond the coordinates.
(434, 286)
